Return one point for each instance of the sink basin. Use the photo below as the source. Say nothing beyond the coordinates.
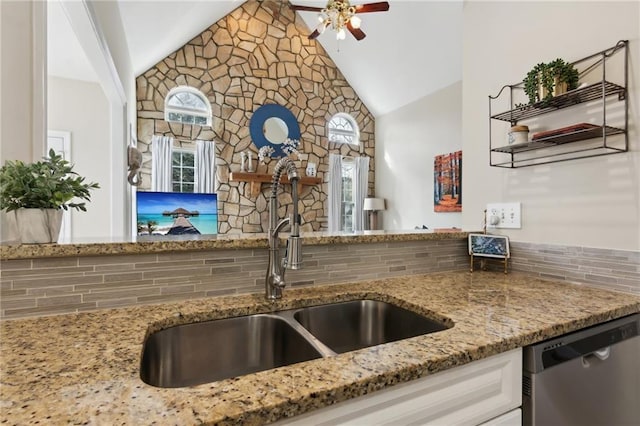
(358, 324)
(197, 353)
(193, 354)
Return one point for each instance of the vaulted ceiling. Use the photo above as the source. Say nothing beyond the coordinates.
(410, 51)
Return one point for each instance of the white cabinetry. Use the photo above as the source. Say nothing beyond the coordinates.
(467, 395)
(512, 418)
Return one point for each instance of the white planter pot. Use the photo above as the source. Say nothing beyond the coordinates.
(36, 226)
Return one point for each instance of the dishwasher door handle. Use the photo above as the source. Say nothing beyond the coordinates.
(601, 354)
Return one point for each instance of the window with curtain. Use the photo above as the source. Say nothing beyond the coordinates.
(342, 128)
(347, 192)
(187, 105)
(347, 206)
(183, 170)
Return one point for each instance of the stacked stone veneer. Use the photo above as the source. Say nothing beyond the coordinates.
(245, 60)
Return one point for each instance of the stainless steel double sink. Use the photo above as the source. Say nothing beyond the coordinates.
(204, 352)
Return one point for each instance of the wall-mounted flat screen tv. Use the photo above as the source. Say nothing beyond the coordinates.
(176, 213)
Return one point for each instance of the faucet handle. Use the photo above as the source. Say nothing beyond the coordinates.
(293, 254)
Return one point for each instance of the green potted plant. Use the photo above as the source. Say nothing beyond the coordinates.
(38, 192)
(545, 81)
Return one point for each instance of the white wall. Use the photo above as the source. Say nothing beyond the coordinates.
(589, 202)
(109, 17)
(407, 140)
(16, 90)
(114, 32)
(16, 127)
(117, 74)
(81, 108)
(110, 21)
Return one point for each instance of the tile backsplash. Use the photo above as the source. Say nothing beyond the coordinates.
(46, 286)
(30, 287)
(604, 268)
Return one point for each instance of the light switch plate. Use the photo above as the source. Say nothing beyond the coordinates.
(504, 215)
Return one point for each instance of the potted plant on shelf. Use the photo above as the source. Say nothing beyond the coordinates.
(38, 192)
(545, 81)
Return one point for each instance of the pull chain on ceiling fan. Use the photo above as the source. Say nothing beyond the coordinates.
(339, 14)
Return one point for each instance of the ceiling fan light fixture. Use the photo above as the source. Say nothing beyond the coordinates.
(341, 16)
(355, 21)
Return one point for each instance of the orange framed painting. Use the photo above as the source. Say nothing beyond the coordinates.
(447, 182)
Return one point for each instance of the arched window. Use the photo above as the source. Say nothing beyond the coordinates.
(187, 105)
(342, 128)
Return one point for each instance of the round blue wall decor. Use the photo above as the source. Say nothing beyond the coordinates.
(271, 125)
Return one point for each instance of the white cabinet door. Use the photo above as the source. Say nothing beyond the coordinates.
(465, 395)
(512, 418)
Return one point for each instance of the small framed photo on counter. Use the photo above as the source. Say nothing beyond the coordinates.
(489, 246)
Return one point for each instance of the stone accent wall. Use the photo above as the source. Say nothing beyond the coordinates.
(245, 60)
(31, 287)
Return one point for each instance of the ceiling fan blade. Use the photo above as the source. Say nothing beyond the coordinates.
(306, 8)
(382, 6)
(357, 32)
(314, 34)
(319, 30)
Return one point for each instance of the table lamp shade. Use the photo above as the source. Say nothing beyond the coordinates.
(373, 204)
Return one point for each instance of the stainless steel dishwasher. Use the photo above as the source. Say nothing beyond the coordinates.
(589, 377)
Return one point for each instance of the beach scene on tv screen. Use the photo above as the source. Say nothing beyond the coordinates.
(176, 213)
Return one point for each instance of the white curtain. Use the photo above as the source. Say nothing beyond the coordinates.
(161, 147)
(360, 188)
(335, 192)
(205, 167)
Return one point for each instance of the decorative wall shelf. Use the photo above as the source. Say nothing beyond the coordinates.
(580, 143)
(257, 179)
(576, 136)
(570, 98)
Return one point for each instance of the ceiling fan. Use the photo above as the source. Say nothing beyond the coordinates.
(339, 14)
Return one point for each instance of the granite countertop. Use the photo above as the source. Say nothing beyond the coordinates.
(164, 244)
(84, 368)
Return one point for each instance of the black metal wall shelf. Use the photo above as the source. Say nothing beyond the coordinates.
(574, 97)
(577, 136)
(571, 141)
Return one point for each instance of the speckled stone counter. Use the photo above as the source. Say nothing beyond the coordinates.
(84, 368)
(188, 243)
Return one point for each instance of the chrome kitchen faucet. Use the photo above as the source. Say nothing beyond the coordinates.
(274, 282)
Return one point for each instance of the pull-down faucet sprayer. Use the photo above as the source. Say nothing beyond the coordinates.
(274, 283)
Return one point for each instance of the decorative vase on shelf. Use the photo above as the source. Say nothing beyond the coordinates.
(38, 226)
(250, 168)
(311, 169)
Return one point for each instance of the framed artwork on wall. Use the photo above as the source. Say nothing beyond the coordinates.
(447, 183)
